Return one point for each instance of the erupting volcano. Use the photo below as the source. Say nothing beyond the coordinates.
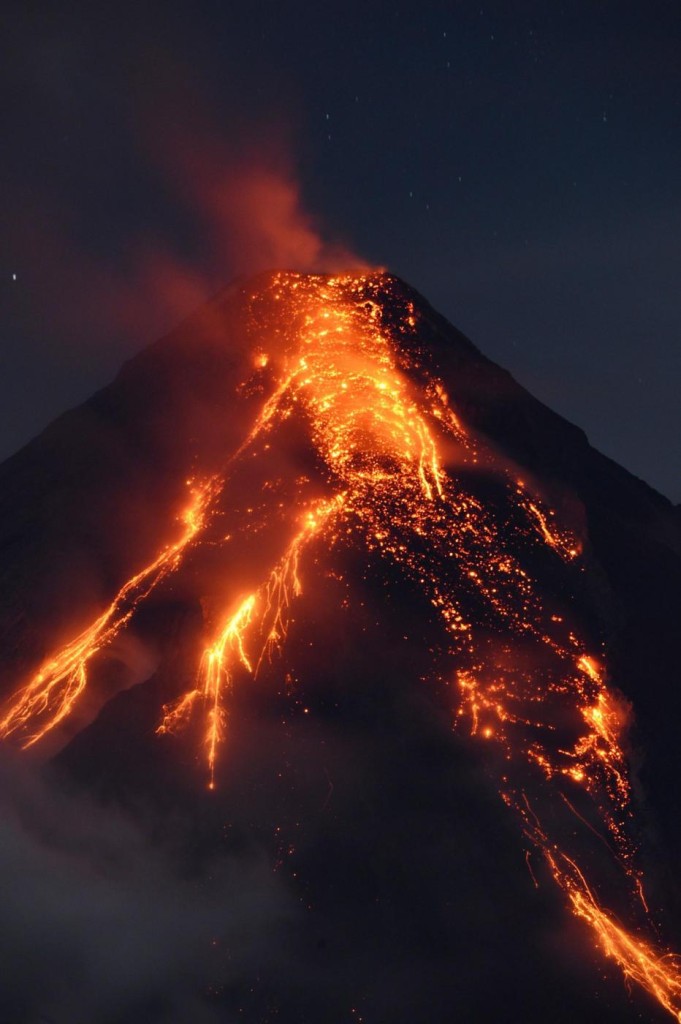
(359, 458)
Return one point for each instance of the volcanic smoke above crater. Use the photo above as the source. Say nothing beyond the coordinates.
(351, 446)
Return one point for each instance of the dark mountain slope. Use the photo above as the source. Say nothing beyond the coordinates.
(412, 898)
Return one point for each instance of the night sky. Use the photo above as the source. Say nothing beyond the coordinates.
(518, 163)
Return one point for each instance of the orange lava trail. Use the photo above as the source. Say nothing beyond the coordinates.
(378, 437)
(526, 685)
(657, 971)
(265, 610)
(54, 690)
(215, 667)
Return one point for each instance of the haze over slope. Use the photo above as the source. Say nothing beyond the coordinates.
(381, 531)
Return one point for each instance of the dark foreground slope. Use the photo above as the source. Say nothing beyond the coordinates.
(355, 862)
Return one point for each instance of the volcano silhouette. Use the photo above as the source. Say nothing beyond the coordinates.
(315, 585)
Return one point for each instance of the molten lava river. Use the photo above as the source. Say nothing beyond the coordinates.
(389, 464)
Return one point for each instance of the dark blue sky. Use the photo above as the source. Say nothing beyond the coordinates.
(519, 163)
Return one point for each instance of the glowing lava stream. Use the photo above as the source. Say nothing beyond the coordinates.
(526, 684)
(268, 605)
(53, 691)
(658, 973)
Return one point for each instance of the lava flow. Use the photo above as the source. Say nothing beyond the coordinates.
(394, 464)
(269, 605)
(54, 690)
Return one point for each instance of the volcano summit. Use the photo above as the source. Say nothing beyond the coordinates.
(316, 568)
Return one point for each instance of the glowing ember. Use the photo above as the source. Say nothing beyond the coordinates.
(525, 683)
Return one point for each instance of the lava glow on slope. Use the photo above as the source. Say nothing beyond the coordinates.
(53, 691)
(523, 683)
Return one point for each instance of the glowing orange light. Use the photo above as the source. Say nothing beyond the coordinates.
(54, 690)
(379, 421)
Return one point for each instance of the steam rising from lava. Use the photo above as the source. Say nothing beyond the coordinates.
(237, 217)
(347, 379)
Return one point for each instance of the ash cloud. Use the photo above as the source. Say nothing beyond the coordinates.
(215, 206)
(101, 922)
(239, 210)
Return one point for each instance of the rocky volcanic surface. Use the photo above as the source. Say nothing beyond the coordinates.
(397, 887)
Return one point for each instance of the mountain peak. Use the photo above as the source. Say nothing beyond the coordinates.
(314, 464)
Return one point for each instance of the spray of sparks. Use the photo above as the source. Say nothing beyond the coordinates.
(379, 420)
